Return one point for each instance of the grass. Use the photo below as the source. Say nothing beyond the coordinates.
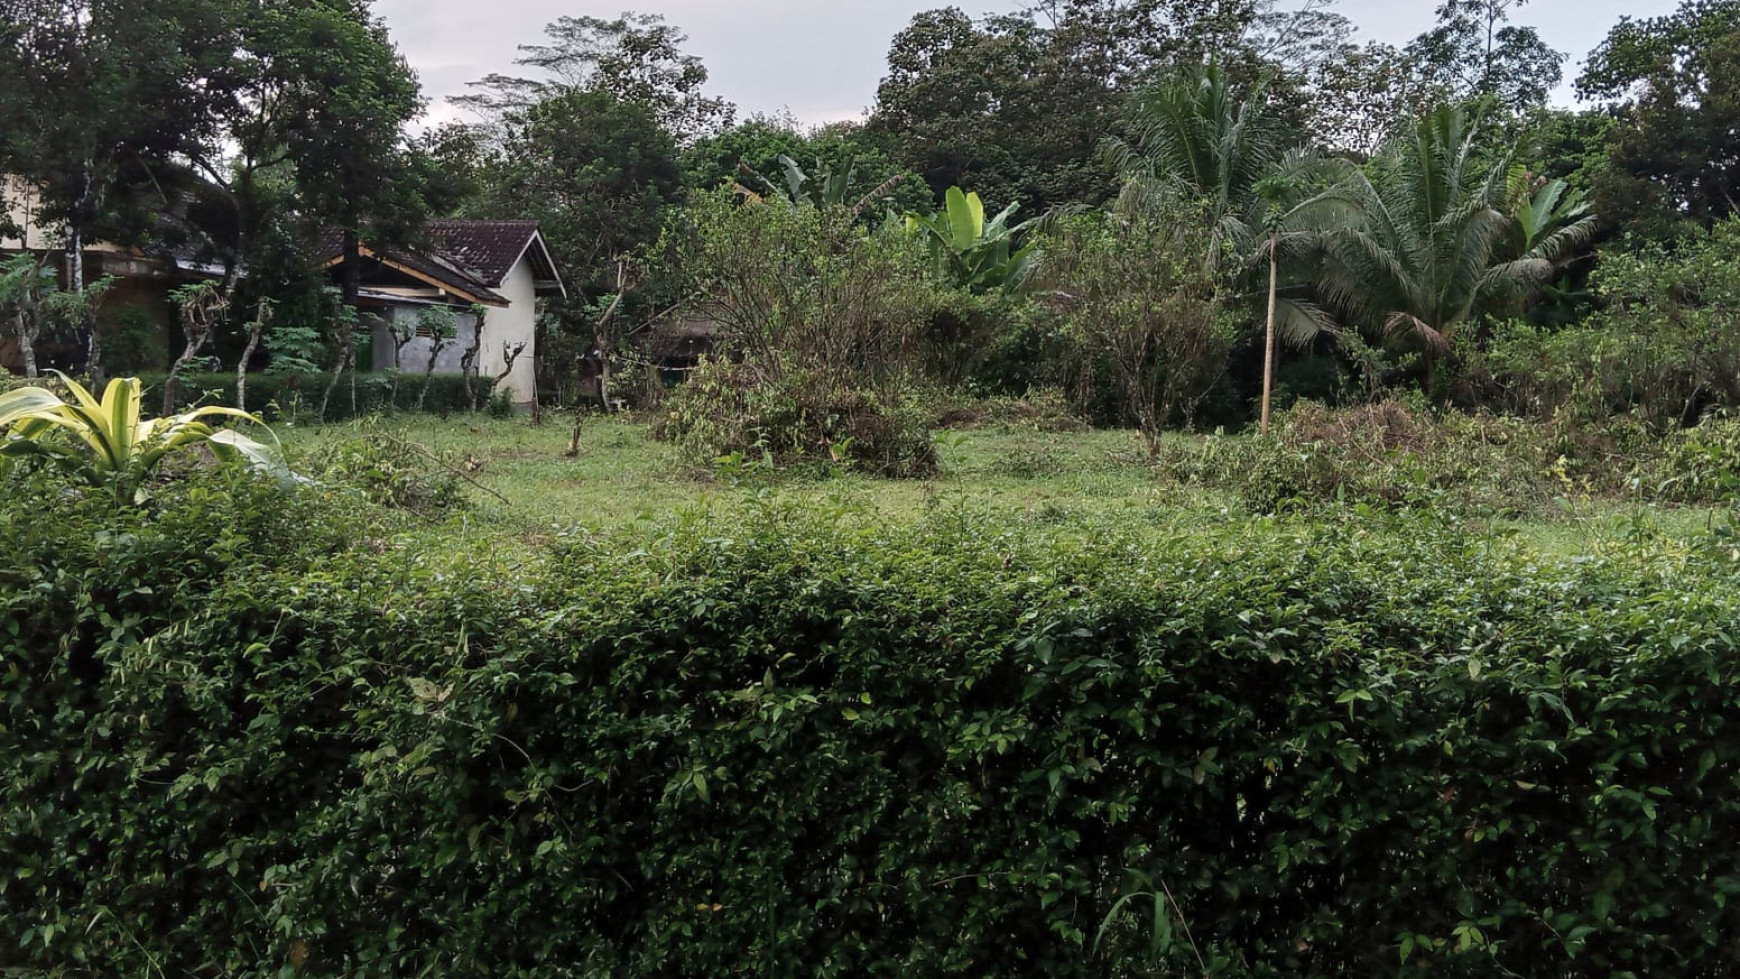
(623, 478)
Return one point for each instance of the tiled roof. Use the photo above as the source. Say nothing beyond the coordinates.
(490, 249)
(474, 257)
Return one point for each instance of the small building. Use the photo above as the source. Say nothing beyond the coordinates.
(501, 268)
(137, 305)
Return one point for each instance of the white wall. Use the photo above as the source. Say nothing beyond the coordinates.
(20, 201)
(516, 323)
(415, 356)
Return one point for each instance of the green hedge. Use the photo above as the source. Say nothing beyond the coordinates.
(279, 394)
(795, 748)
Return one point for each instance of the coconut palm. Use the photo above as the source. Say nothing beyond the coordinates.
(1440, 236)
(1269, 206)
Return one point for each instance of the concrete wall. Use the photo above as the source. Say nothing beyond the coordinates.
(516, 323)
(415, 356)
(20, 201)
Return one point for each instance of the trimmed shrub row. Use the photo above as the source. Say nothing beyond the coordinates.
(298, 395)
(794, 747)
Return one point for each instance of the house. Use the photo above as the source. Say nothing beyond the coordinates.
(138, 303)
(501, 268)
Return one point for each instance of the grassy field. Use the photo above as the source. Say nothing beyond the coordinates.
(624, 478)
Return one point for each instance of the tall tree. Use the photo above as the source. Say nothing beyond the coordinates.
(1673, 85)
(597, 172)
(93, 88)
(636, 58)
(1475, 51)
(1014, 106)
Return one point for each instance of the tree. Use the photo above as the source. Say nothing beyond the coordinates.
(1431, 245)
(637, 58)
(1195, 142)
(1137, 292)
(1359, 97)
(98, 89)
(1016, 105)
(24, 283)
(1672, 84)
(1474, 51)
(597, 172)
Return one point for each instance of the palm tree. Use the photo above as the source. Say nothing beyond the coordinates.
(1439, 237)
(1197, 139)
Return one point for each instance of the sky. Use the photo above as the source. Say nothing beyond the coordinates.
(821, 59)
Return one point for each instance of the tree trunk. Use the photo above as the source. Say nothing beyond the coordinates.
(1269, 336)
(27, 343)
(195, 340)
(468, 363)
(436, 344)
(350, 290)
(257, 330)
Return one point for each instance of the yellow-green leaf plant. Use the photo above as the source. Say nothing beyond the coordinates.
(107, 443)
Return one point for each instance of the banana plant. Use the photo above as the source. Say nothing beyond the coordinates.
(977, 255)
(107, 443)
(821, 187)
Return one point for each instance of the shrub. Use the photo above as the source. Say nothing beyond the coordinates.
(817, 321)
(729, 410)
(1664, 347)
(1701, 465)
(1387, 453)
(296, 397)
(1139, 296)
(390, 471)
(796, 748)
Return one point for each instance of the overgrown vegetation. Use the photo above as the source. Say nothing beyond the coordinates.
(1397, 641)
(947, 748)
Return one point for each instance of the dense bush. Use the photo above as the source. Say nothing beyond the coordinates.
(297, 396)
(818, 321)
(1400, 452)
(1385, 453)
(796, 748)
(1701, 465)
(1664, 347)
(731, 411)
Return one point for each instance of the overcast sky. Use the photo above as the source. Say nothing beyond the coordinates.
(821, 59)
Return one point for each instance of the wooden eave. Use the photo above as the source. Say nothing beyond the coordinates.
(444, 287)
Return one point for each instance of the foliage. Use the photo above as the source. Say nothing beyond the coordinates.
(1141, 294)
(971, 253)
(594, 170)
(757, 144)
(295, 396)
(391, 471)
(809, 746)
(1016, 105)
(734, 415)
(1385, 454)
(1474, 52)
(818, 316)
(109, 444)
(1672, 147)
(1666, 345)
(1431, 248)
(823, 186)
(636, 58)
(1199, 140)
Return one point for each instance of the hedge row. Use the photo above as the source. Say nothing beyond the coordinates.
(796, 748)
(277, 395)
